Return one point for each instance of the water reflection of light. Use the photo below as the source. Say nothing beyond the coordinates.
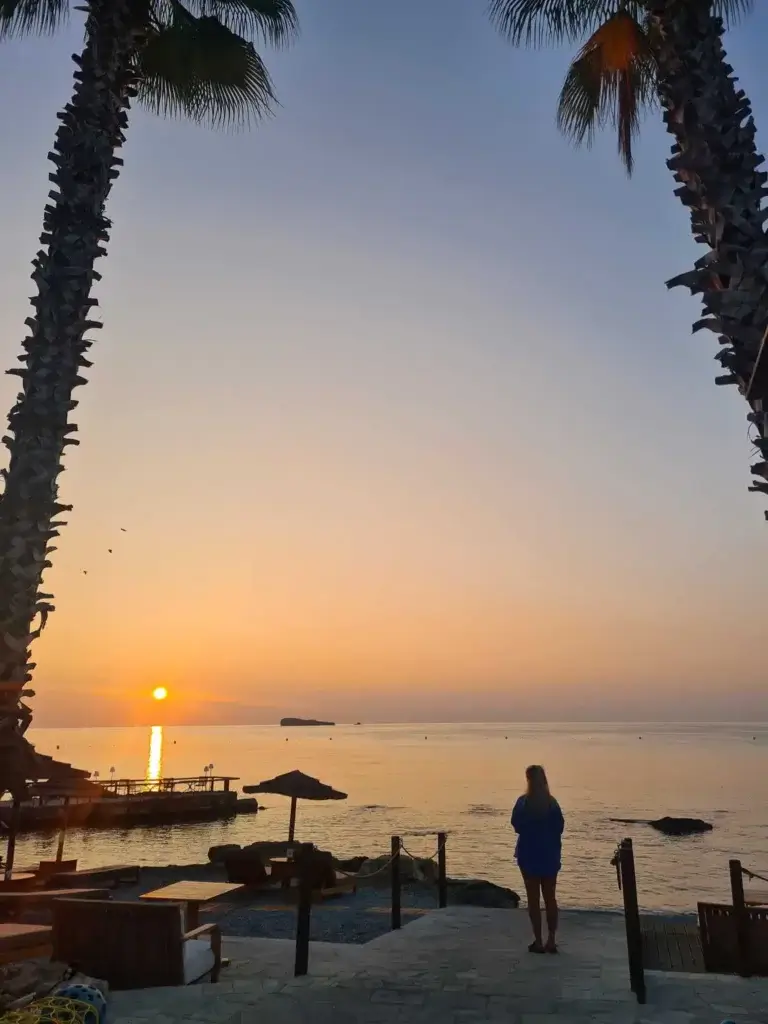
(155, 759)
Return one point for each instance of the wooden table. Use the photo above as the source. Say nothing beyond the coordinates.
(193, 894)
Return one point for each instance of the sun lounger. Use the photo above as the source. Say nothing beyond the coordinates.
(112, 874)
(134, 945)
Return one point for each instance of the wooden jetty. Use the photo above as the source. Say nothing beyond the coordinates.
(124, 802)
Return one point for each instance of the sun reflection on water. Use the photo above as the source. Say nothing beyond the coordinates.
(155, 759)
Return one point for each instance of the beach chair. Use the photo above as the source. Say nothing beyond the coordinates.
(46, 869)
(134, 945)
(720, 939)
(246, 867)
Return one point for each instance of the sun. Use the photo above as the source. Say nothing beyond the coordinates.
(159, 693)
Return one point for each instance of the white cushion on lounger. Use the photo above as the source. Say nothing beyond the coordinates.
(198, 959)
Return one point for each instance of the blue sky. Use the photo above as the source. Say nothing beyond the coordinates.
(391, 392)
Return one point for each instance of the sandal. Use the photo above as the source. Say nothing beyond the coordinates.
(535, 947)
(551, 947)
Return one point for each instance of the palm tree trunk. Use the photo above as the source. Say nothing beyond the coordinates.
(715, 160)
(74, 230)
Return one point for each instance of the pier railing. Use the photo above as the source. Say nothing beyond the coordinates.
(193, 784)
(624, 862)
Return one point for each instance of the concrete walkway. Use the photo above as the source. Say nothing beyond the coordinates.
(458, 966)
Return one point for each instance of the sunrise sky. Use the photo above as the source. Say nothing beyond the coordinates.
(392, 404)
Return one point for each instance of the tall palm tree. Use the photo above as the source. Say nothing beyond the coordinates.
(669, 53)
(195, 59)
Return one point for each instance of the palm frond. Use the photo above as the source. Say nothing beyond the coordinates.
(611, 81)
(546, 22)
(273, 21)
(201, 68)
(732, 11)
(31, 17)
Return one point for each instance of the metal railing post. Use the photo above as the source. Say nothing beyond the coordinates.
(442, 877)
(395, 876)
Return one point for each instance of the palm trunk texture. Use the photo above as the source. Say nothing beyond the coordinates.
(716, 163)
(75, 229)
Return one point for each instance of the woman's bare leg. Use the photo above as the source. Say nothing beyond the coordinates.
(532, 894)
(549, 892)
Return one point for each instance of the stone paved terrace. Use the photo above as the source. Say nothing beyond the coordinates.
(457, 966)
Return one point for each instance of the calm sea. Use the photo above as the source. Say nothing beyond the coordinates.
(461, 779)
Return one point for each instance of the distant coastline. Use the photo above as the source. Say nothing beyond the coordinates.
(303, 722)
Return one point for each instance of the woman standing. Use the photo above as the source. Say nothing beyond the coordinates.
(539, 824)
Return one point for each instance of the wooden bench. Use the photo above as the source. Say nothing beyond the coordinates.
(24, 941)
(12, 904)
(134, 945)
(112, 873)
(720, 939)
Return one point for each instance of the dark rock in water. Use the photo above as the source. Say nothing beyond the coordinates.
(218, 854)
(303, 722)
(681, 826)
(478, 893)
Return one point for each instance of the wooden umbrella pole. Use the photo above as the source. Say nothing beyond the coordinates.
(11, 851)
(292, 825)
(63, 832)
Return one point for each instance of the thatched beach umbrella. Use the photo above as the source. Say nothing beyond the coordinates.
(297, 786)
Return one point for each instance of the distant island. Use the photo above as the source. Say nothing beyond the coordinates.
(303, 721)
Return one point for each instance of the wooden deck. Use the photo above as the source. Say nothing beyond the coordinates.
(671, 945)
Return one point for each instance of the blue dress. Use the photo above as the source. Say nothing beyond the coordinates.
(539, 838)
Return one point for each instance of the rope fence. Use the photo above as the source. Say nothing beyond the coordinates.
(753, 874)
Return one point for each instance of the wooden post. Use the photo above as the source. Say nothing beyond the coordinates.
(741, 916)
(303, 855)
(632, 919)
(292, 822)
(395, 876)
(11, 851)
(442, 878)
(63, 832)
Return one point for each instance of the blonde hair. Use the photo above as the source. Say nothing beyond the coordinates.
(537, 792)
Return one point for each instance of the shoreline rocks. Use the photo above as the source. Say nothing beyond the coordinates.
(681, 826)
(478, 892)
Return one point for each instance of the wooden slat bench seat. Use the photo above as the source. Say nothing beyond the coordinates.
(670, 944)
